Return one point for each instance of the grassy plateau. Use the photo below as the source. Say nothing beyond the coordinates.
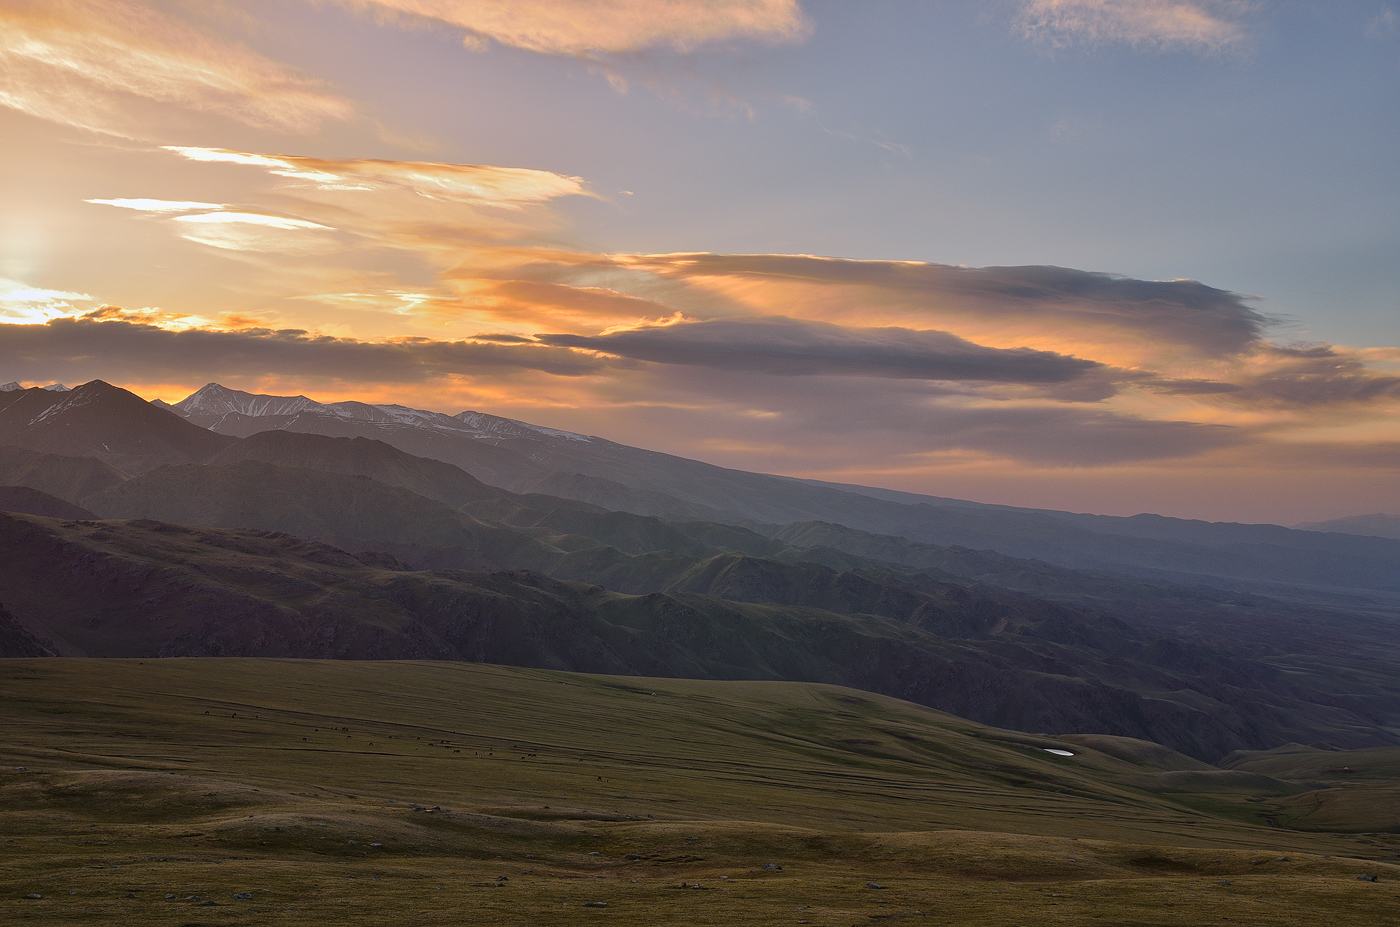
(250, 791)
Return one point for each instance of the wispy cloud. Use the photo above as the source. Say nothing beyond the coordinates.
(1385, 25)
(252, 231)
(115, 66)
(1194, 25)
(879, 141)
(587, 27)
(476, 184)
(419, 206)
(158, 206)
(25, 305)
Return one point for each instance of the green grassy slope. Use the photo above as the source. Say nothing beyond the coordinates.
(386, 793)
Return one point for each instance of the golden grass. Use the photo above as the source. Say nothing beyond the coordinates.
(393, 793)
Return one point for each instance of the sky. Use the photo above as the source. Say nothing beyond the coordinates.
(1111, 256)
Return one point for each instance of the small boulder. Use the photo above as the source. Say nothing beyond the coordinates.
(873, 885)
(243, 896)
(1368, 878)
(595, 904)
(774, 867)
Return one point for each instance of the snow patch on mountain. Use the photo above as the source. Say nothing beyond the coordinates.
(508, 427)
(213, 402)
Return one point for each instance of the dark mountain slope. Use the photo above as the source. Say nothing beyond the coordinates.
(361, 457)
(351, 510)
(27, 501)
(103, 421)
(144, 588)
(70, 478)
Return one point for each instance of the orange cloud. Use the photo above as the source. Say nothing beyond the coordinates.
(110, 66)
(582, 27)
(1204, 25)
(25, 305)
(476, 184)
(424, 207)
(1170, 324)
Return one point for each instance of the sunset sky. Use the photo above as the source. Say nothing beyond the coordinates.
(1104, 255)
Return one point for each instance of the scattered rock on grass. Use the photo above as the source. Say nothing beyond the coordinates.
(595, 904)
(243, 896)
(773, 866)
(1368, 878)
(873, 885)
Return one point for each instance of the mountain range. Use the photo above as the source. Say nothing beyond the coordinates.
(237, 524)
(527, 458)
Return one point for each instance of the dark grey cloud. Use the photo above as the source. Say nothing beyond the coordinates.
(81, 349)
(810, 424)
(1185, 312)
(1290, 377)
(1317, 375)
(792, 347)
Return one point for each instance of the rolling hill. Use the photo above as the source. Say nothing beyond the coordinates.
(232, 791)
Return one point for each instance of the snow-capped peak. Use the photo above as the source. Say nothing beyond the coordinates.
(10, 387)
(214, 399)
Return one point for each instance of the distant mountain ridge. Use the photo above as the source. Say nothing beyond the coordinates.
(1378, 525)
(527, 458)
